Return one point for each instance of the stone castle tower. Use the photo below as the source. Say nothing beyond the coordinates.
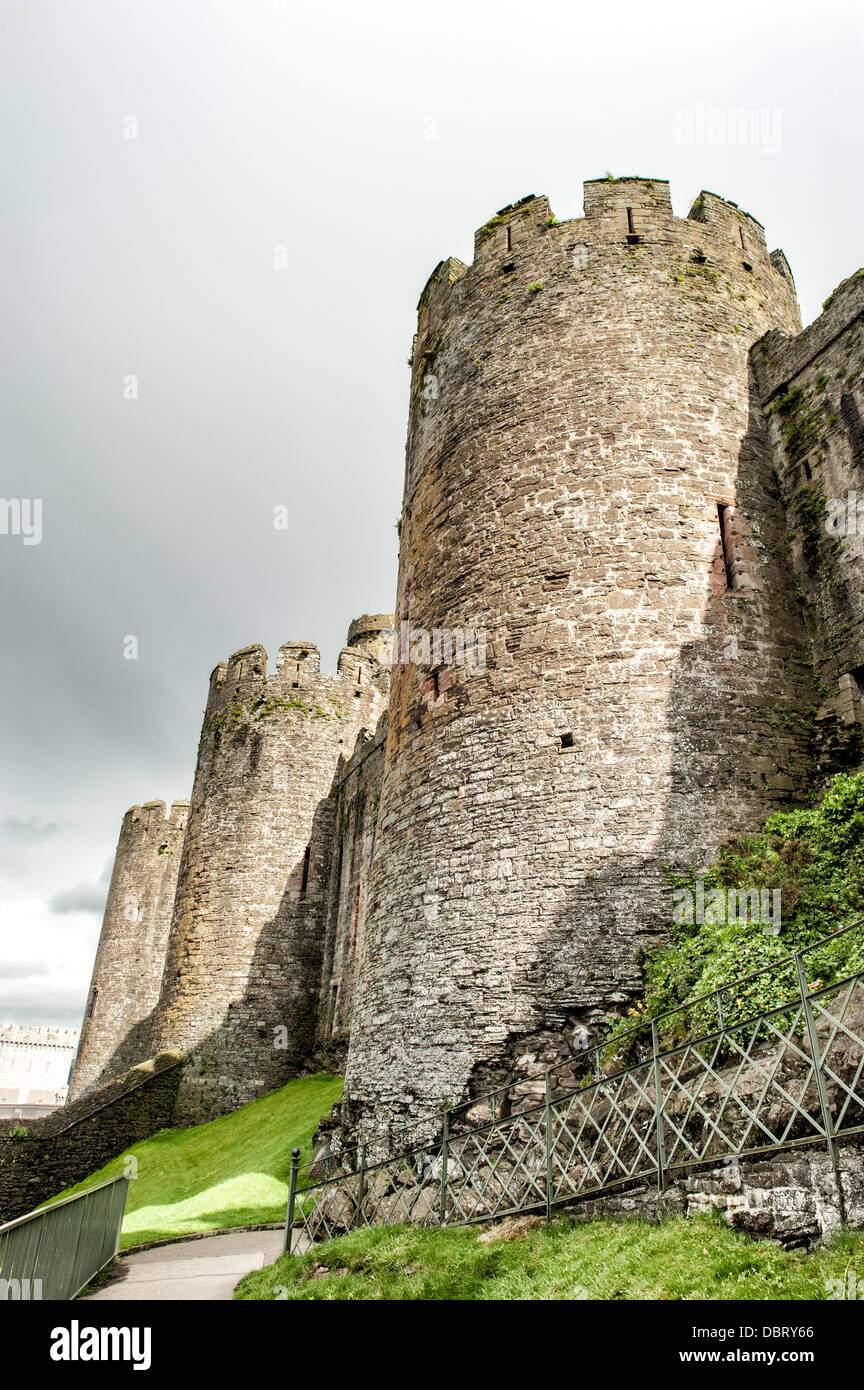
(591, 480)
(626, 499)
(127, 975)
(245, 951)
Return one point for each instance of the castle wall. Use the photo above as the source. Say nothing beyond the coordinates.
(127, 973)
(357, 793)
(812, 389)
(589, 479)
(243, 967)
(77, 1139)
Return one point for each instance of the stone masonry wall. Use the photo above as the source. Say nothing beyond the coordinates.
(788, 1197)
(812, 389)
(127, 973)
(589, 478)
(357, 792)
(243, 968)
(71, 1143)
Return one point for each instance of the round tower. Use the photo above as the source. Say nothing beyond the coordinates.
(373, 633)
(589, 486)
(242, 975)
(124, 988)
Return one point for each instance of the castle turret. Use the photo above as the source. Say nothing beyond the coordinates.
(373, 633)
(243, 969)
(589, 486)
(127, 973)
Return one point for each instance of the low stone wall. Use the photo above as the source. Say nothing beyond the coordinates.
(788, 1197)
(64, 1147)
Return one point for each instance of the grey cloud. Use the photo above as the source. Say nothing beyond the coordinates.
(22, 970)
(20, 840)
(55, 1005)
(27, 832)
(82, 897)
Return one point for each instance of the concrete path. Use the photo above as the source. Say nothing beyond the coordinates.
(191, 1269)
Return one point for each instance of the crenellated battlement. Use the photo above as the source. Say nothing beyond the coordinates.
(524, 244)
(646, 200)
(670, 284)
(153, 817)
(364, 660)
(511, 227)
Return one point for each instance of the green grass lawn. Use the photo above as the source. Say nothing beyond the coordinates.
(683, 1258)
(230, 1172)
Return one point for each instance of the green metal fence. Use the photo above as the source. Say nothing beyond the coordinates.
(761, 1079)
(53, 1253)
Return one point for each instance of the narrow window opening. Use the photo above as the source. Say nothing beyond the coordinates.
(567, 740)
(858, 677)
(747, 266)
(724, 517)
(304, 882)
(808, 471)
(509, 238)
(741, 238)
(94, 996)
(631, 229)
(295, 684)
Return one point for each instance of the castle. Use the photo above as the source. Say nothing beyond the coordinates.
(633, 479)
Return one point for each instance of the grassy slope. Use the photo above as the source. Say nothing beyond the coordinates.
(230, 1172)
(682, 1259)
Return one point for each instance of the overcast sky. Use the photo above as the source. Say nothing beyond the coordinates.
(238, 204)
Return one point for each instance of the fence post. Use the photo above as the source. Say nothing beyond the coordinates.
(658, 1110)
(361, 1186)
(824, 1103)
(292, 1193)
(548, 1128)
(445, 1143)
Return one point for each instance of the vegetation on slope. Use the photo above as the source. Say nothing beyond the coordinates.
(815, 857)
(684, 1258)
(229, 1172)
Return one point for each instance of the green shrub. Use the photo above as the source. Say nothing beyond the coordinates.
(815, 857)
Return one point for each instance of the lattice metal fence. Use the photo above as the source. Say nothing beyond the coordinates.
(772, 1079)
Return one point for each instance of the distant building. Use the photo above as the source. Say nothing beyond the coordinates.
(34, 1068)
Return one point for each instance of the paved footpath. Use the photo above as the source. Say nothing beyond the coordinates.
(191, 1269)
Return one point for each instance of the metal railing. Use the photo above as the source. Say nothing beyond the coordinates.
(54, 1252)
(758, 1079)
